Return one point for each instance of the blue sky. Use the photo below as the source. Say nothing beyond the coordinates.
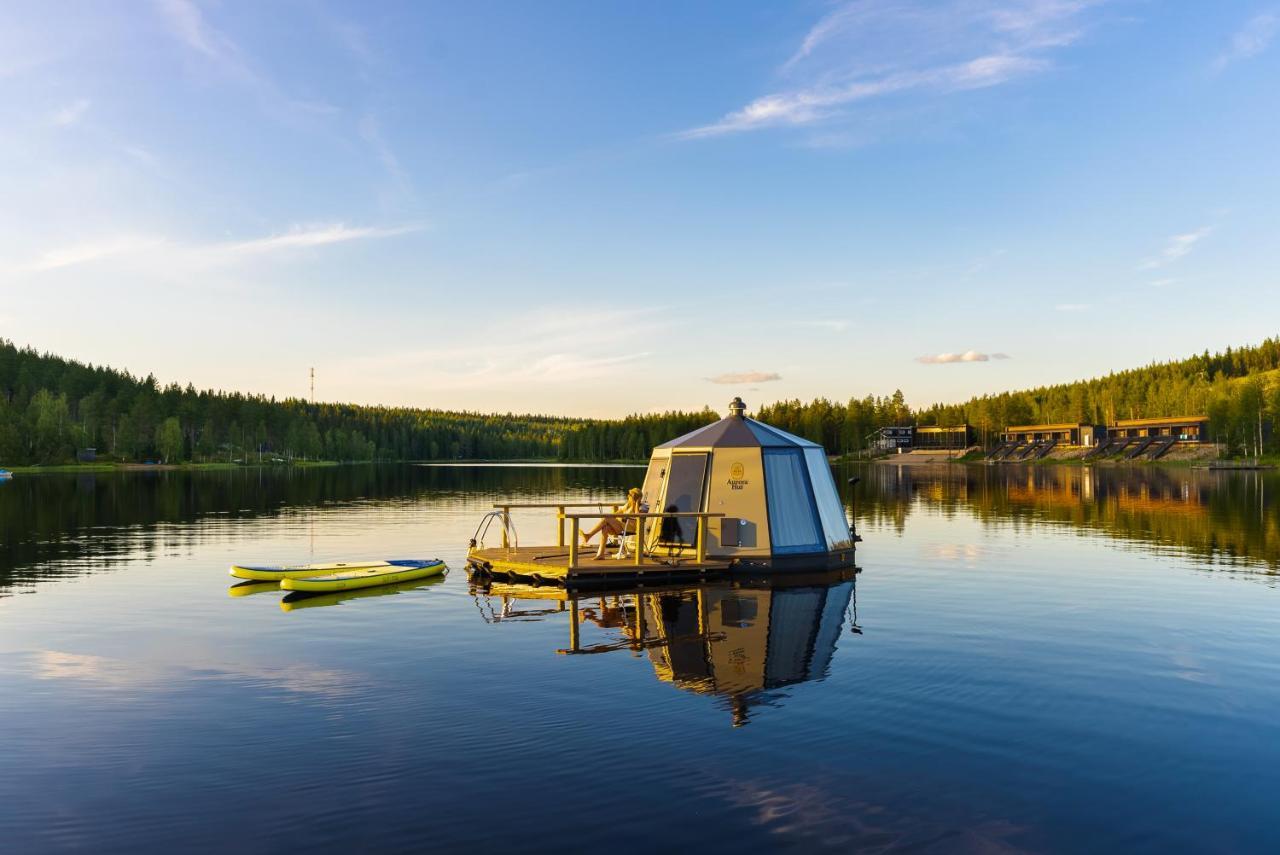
(599, 208)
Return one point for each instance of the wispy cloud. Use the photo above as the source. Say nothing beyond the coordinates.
(1177, 247)
(556, 347)
(186, 23)
(1072, 307)
(865, 50)
(831, 325)
(743, 378)
(1252, 39)
(371, 132)
(308, 236)
(90, 251)
(176, 254)
(967, 356)
(1162, 283)
(71, 113)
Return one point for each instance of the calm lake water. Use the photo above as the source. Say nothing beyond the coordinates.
(1030, 660)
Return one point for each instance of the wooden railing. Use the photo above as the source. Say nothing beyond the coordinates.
(700, 540)
(560, 516)
(699, 544)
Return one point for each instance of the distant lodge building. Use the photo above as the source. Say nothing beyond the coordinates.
(930, 438)
(943, 438)
(1184, 428)
(1129, 438)
(1125, 433)
(1062, 434)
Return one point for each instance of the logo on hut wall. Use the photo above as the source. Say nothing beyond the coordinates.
(736, 473)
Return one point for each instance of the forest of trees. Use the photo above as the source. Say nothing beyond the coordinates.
(52, 407)
(1238, 389)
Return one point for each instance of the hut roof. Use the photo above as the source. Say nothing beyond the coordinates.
(739, 432)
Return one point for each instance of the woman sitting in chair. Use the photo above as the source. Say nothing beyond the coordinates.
(611, 526)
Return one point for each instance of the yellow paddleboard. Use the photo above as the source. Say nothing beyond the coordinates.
(302, 600)
(244, 589)
(276, 572)
(364, 577)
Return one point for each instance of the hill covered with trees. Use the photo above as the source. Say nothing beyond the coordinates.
(1238, 389)
(51, 407)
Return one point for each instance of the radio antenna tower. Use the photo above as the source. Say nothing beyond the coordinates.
(313, 385)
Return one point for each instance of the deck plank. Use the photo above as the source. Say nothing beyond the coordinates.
(552, 563)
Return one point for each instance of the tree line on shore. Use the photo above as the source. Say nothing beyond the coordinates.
(51, 408)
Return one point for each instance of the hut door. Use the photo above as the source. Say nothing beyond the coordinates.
(686, 479)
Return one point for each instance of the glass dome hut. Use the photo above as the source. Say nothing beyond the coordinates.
(775, 490)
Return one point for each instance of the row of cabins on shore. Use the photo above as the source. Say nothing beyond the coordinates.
(1179, 429)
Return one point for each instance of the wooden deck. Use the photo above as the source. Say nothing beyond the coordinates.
(550, 565)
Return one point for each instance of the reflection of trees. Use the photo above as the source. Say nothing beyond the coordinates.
(1222, 517)
(76, 523)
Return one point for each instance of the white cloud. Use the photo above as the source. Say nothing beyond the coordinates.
(567, 345)
(1252, 39)
(1176, 247)
(84, 253)
(67, 116)
(967, 356)
(743, 378)
(171, 254)
(1162, 283)
(866, 50)
(187, 24)
(371, 132)
(835, 326)
(1072, 307)
(320, 235)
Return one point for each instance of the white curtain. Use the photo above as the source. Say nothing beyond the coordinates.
(835, 525)
(792, 527)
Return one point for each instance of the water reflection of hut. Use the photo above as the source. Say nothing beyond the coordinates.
(743, 643)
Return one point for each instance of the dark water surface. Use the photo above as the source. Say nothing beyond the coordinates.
(1030, 660)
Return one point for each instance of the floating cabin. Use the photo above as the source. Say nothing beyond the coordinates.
(736, 494)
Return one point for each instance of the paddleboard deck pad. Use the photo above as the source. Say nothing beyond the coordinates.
(388, 573)
(278, 572)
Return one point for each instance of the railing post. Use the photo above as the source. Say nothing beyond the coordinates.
(506, 524)
(560, 523)
(575, 639)
(573, 543)
(640, 540)
(702, 540)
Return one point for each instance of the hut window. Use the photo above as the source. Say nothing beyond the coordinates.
(685, 479)
(793, 526)
(835, 525)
